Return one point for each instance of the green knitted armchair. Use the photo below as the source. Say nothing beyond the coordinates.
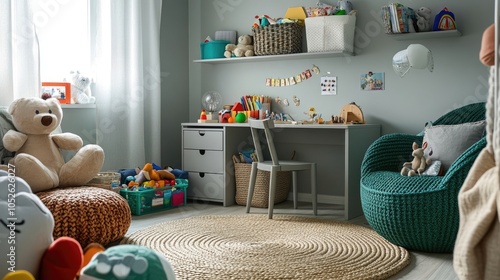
(418, 213)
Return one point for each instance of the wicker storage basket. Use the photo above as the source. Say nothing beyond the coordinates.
(106, 180)
(277, 39)
(261, 191)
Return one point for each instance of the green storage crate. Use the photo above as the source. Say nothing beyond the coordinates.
(155, 200)
(213, 49)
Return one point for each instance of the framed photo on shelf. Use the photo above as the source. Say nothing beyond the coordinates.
(59, 90)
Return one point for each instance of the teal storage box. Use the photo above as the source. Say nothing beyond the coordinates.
(213, 49)
(155, 200)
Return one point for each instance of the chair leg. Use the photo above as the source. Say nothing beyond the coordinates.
(251, 185)
(313, 189)
(294, 188)
(272, 192)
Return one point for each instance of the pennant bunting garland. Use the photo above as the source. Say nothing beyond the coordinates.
(293, 80)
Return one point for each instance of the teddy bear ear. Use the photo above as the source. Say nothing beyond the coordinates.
(13, 105)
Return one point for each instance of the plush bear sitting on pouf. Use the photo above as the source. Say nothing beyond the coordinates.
(38, 158)
(243, 48)
(80, 89)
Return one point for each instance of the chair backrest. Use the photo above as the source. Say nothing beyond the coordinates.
(469, 113)
(265, 125)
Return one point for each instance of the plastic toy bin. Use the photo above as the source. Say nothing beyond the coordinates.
(330, 33)
(213, 49)
(155, 200)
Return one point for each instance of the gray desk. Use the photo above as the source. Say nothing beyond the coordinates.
(337, 149)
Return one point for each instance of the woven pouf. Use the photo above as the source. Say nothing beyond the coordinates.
(87, 214)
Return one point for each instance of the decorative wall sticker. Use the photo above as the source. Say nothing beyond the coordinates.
(328, 85)
(293, 80)
(296, 100)
(315, 69)
(372, 81)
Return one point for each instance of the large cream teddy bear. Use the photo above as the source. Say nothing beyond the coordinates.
(243, 48)
(38, 158)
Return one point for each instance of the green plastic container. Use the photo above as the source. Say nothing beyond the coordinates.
(213, 49)
(155, 200)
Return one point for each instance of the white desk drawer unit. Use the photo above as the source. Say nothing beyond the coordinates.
(203, 161)
(203, 158)
(207, 150)
(207, 185)
(203, 139)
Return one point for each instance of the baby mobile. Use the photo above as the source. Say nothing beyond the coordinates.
(293, 80)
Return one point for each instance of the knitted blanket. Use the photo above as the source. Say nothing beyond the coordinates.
(477, 248)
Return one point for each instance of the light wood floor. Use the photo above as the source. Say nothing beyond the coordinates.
(423, 265)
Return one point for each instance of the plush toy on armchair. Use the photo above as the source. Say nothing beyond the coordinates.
(418, 165)
(38, 157)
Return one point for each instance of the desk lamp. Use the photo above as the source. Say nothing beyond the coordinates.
(415, 56)
(211, 101)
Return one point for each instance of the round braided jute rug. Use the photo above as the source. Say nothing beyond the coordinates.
(286, 247)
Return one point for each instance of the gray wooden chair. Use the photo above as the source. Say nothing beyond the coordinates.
(275, 165)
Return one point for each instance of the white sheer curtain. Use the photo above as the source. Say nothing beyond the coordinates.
(125, 49)
(19, 52)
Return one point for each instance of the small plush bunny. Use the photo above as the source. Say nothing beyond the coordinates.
(418, 164)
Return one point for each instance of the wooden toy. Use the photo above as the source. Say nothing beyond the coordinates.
(352, 113)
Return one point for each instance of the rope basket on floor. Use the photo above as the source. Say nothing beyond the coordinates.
(274, 39)
(87, 214)
(261, 191)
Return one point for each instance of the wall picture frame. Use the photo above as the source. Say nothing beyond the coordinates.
(59, 90)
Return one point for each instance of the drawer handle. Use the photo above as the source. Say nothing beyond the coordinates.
(202, 174)
(201, 133)
(202, 152)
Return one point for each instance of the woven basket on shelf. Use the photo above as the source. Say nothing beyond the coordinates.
(285, 38)
(261, 191)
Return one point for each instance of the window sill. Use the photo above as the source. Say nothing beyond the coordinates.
(78, 106)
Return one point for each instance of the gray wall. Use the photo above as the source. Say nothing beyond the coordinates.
(175, 82)
(405, 105)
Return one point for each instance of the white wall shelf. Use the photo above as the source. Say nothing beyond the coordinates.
(276, 57)
(425, 35)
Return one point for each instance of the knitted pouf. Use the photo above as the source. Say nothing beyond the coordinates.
(87, 214)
